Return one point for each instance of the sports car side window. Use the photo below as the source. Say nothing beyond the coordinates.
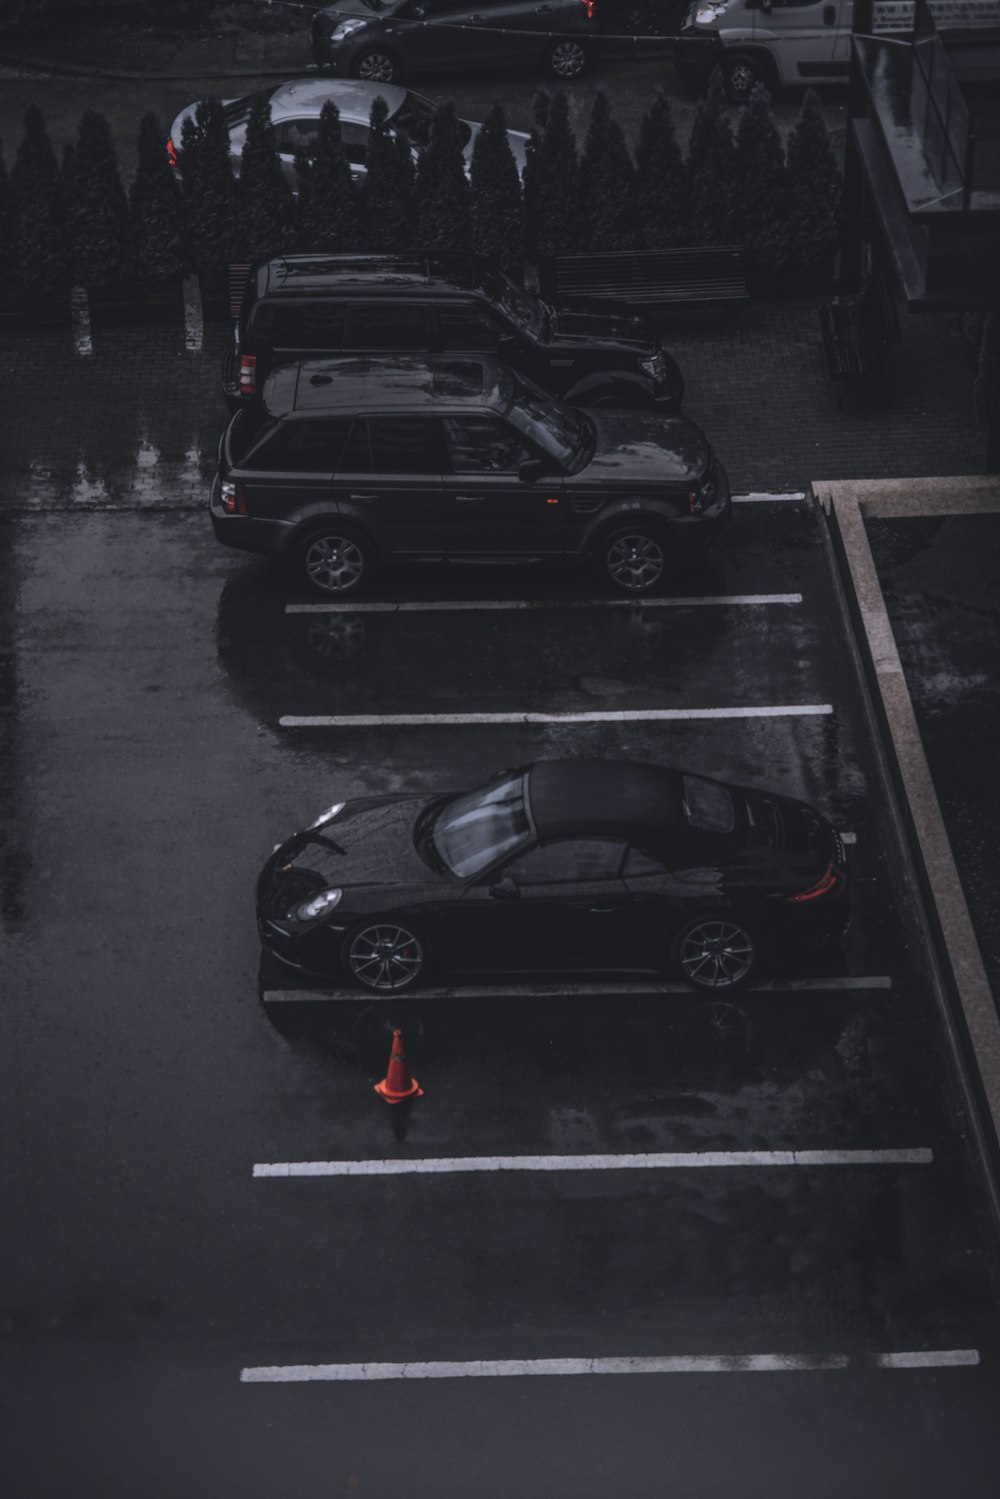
(568, 861)
(297, 135)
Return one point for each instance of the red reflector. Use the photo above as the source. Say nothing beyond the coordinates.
(693, 501)
(171, 153)
(588, 6)
(552, 499)
(241, 498)
(248, 374)
(823, 886)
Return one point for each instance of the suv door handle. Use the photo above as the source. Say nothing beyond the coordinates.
(829, 15)
(366, 496)
(600, 910)
(469, 499)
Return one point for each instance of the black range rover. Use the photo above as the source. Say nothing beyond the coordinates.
(343, 463)
(437, 302)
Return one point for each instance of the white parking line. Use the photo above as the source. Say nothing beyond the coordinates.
(427, 606)
(763, 497)
(694, 1363)
(612, 715)
(653, 1161)
(581, 990)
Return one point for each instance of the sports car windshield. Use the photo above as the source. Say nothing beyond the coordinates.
(470, 832)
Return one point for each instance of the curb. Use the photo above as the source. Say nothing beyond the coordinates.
(47, 67)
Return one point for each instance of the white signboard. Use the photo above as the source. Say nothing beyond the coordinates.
(897, 15)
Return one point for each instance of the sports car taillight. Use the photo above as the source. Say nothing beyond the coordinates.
(233, 496)
(823, 886)
(248, 374)
(171, 153)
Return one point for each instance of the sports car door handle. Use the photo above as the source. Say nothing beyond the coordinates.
(600, 910)
(372, 496)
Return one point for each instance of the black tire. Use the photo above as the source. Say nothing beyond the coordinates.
(385, 956)
(377, 66)
(635, 559)
(717, 951)
(742, 75)
(335, 560)
(566, 58)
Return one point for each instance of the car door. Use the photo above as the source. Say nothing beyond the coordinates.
(490, 510)
(387, 327)
(561, 905)
(459, 329)
(389, 479)
(802, 36)
(291, 468)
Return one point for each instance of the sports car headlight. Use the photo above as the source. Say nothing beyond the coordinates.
(344, 28)
(327, 816)
(318, 905)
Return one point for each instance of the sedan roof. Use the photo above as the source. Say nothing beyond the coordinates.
(615, 798)
(360, 385)
(352, 96)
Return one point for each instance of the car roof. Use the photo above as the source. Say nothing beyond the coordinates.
(353, 97)
(603, 797)
(298, 275)
(354, 386)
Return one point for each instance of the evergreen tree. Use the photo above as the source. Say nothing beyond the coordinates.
(815, 188)
(761, 186)
(155, 223)
(556, 227)
(41, 261)
(7, 234)
(387, 196)
(329, 218)
(96, 207)
(712, 169)
(444, 219)
(607, 182)
(529, 181)
(267, 218)
(663, 195)
(211, 202)
(497, 208)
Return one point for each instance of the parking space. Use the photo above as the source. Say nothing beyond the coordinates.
(603, 1178)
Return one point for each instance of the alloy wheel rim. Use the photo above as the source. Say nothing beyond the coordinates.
(635, 563)
(741, 79)
(385, 957)
(567, 59)
(334, 563)
(376, 68)
(716, 954)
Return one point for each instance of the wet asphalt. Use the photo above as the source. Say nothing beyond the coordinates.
(145, 1070)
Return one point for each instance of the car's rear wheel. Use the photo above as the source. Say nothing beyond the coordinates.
(633, 559)
(566, 58)
(336, 560)
(716, 951)
(385, 957)
(377, 66)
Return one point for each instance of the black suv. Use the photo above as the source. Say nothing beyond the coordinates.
(342, 463)
(436, 302)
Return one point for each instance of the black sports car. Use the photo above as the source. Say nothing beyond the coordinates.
(562, 865)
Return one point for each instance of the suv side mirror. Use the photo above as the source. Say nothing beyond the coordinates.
(530, 470)
(504, 889)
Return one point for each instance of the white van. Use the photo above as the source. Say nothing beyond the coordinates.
(783, 42)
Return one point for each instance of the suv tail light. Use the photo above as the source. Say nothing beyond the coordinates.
(171, 153)
(823, 886)
(588, 5)
(234, 496)
(248, 374)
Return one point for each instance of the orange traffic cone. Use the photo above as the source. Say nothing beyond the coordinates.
(398, 1083)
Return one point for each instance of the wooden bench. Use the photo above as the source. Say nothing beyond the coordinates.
(702, 277)
(859, 331)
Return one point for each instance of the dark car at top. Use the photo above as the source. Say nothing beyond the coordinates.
(439, 302)
(564, 865)
(342, 464)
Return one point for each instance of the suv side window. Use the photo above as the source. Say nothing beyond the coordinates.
(392, 326)
(404, 445)
(319, 327)
(467, 330)
(302, 445)
(480, 445)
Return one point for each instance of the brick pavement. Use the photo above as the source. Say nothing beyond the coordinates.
(137, 425)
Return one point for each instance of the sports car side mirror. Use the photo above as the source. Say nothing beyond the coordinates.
(504, 889)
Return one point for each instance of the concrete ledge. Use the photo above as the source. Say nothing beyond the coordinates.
(963, 987)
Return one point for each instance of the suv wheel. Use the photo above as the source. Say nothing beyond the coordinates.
(742, 76)
(336, 560)
(566, 58)
(634, 559)
(377, 66)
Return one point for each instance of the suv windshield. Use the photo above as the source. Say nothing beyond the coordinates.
(471, 832)
(564, 433)
(520, 306)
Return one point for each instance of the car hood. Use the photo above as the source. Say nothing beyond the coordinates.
(369, 843)
(588, 323)
(637, 445)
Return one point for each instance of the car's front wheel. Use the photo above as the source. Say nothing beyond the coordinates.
(742, 75)
(385, 957)
(716, 951)
(566, 58)
(377, 66)
(336, 560)
(633, 559)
